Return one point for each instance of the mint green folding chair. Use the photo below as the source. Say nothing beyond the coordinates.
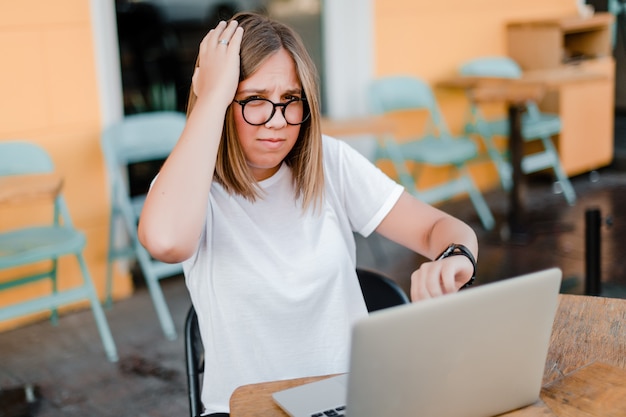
(536, 126)
(138, 138)
(436, 147)
(43, 245)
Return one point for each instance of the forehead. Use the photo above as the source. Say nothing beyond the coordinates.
(277, 72)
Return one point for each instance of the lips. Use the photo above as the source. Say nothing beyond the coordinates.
(272, 142)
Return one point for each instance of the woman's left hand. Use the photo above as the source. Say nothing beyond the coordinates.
(440, 277)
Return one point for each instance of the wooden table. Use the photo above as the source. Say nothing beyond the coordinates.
(515, 92)
(378, 126)
(585, 373)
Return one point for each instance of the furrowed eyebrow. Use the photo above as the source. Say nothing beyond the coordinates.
(252, 91)
(265, 92)
(294, 91)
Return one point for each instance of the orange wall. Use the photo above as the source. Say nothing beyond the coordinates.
(49, 95)
(431, 39)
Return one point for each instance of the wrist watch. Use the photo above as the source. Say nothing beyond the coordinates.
(455, 249)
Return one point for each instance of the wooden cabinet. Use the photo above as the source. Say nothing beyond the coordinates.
(586, 106)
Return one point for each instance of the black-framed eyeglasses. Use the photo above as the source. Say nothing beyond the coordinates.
(258, 111)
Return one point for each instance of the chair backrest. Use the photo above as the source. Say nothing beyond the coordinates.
(142, 137)
(379, 291)
(137, 138)
(22, 157)
(497, 67)
(491, 66)
(406, 92)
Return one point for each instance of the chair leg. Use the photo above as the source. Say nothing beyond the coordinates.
(505, 171)
(479, 127)
(158, 299)
(566, 185)
(561, 176)
(162, 310)
(506, 175)
(54, 317)
(111, 257)
(108, 297)
(484, 213)
(98, 312)
(392, 152)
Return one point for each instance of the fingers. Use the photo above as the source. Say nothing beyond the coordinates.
(223, 36)
(426, 281)
(422, 286)
(217, 68)
(436, 278)
(227, 32)
(235, 40)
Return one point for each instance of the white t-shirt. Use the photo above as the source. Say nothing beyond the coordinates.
(275, 288)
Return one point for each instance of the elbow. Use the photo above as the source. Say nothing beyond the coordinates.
(163, 248)
(166, 253)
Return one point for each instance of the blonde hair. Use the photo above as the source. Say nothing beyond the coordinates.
(262, 37)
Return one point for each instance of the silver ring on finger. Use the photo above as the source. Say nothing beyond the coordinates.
(222, 42)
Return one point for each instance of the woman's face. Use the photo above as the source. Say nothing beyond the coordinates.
(266, 146)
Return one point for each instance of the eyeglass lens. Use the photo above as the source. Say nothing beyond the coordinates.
(260, 111)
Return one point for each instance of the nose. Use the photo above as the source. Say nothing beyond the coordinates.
(277, 120)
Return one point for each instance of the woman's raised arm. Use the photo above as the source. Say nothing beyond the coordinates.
(175, 210)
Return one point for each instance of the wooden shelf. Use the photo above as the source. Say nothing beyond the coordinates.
(548, 43)
(586, 107)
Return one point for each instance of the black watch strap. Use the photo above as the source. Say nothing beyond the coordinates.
(455, 249)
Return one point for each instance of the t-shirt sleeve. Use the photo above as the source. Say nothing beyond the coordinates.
(364, 191)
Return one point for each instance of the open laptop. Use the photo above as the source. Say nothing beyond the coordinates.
(476, 353)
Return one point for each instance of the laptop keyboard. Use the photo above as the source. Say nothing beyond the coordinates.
(333, 412)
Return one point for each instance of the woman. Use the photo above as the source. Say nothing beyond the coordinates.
(261, 209)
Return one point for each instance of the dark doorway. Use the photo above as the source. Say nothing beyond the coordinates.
(158, 43)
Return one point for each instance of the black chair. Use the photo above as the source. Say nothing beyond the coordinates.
(194, 357)
(378, 290)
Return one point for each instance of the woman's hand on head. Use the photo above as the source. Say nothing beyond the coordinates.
(217, 72)
(437, 278)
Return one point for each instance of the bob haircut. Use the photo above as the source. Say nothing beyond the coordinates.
(262, 37)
